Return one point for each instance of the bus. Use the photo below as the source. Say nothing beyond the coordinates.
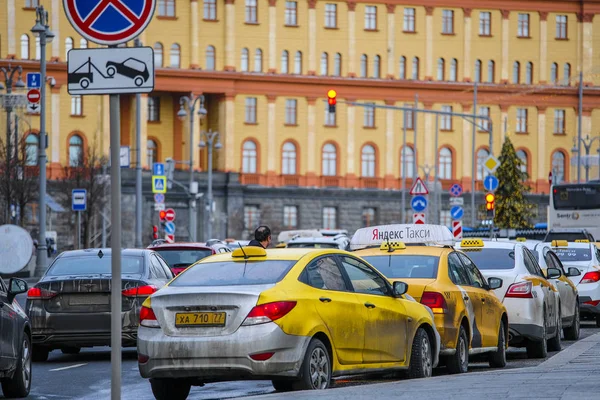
(575, 206)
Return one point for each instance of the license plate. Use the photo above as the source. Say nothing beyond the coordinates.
(89, 300)
(200, 319)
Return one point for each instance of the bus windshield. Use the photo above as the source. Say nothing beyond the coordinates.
(576, 197)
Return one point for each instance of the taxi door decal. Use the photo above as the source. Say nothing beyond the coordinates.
(468, 304)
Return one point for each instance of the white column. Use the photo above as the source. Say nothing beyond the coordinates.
(271, 135)
(429, 140)
(391, 40)
(55, 131)
(467, 45)
(11, 36)
(504, 117)
(311, 138)
(55, 14)
(505, 40)
(541, 146)
(351, 134)
(466, 148)
(390, 149)
(588, 46)
(543, 47)
(230, 133)
(195, 33)
(230, 35)
(351, 39)
(312, 39)
(429, 43)
(273, 37)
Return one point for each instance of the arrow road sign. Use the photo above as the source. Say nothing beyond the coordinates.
(490, 183)
(170, 228)
(109, 22)
(159, 184)
(158, 169)
(34, 80)
(170, 215)
(33, 108)
(159, 198)
(78, 199)
(419, 203)
(419, 187)
(456, 190)
(457, 212)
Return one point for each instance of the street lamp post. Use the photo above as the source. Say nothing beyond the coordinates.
(209, 139)
(191, 103)
(587, 143)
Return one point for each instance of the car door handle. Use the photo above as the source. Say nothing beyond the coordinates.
(482, 300)
(369, 305)
(325, 299)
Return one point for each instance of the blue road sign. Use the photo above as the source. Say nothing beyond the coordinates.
(159, 198)
(490, 183)
(34, 80)
(419, 203)
(79, 199)
(456, 190)
(170, 228)
(457, 212)
(159, 184)
(158, 169)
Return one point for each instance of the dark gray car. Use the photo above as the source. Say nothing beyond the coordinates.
(69, 307)
(15, 341)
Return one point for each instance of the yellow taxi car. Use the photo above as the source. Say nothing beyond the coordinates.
(295, 316)
(468, 315)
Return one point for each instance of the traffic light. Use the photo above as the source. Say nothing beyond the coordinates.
(489, 204)
(154, 232)
(162, 215)
(331, 100)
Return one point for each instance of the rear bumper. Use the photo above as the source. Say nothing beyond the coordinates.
(81, 339)
(526, 319)
(588, 309)
(518, 332)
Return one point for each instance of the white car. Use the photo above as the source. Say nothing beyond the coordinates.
(340, 241)
(529, 297)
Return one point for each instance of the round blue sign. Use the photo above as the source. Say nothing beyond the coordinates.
(456, 190)
(419, 203)
(490, 183)
(457, 212)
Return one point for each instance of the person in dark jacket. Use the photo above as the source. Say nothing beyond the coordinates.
(262, 237)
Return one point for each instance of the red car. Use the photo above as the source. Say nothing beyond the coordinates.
(179, 256)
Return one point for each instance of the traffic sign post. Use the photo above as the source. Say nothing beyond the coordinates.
(457, 230)
(491, 183)
(419, 218)
(159, 198)
(159, 184)
(419, 203)
(419, 188)
(34, 80)
(456, 190)
(158, 169)
(170, 215)
(457, 201)
(170, 228)
(34, 97)
(457, 212)
(491, 164)
(78, 204)
(170, 238)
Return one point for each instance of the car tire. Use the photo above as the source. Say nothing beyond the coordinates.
(573, 331)
(458, 363)
(598, 321)
(539, 349)
(170, 389)
(19, 385)
(70, 350)
(316, 359)
(554, 343)
(497, 359)
(111, 71)
(421, 358)
(281, 385)
(40, 353)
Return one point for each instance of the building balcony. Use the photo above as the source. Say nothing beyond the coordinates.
(370, 183)
(290, 180)
(251, 179)
(330, 181)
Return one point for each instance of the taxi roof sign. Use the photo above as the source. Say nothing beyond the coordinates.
(391, 246)
(582, 241)
(249, 251)
(560, 243)
(405, 233)
(466, 243)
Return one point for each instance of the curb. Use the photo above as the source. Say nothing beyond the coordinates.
(571, 353)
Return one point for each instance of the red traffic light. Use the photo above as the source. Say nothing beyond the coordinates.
(331, 97)
(162, 215)
(154, 232)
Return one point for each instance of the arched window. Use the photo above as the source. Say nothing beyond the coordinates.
(83, 44)
(402, 73)
(454, 70)
(482, 154)
(298, 63)
(477, 71)
(516, 72)
(377, 67)
(31, 149)
(337, 65)
(558, 166)
(249, 157)
(289, 159)
(175, 61)
(329, 160)
(210, 58)
(364, 60)
(415, 68)
(522, 155)
(407, 162)
(285, 62)
(75, 151)
(491, 73)
(554, 73)
(529, 73)
(244, 61)
(324, 63)
(68, 46)
(445, 163)
(152, 151)
(24, 47)
(258, 60)
(368, 161)
(567, 74)
(440, 69)
(158, 55)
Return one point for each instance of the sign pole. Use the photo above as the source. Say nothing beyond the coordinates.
(78, 230)
(138, 166)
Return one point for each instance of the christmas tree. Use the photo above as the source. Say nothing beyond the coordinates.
(513, 210)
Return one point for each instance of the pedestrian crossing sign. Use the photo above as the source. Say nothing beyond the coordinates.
(159, 184)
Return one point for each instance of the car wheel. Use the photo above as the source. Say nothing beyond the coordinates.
(19, 385)
(539, 349)
(84, 83)
(170, 389)
(139, 81)
(421, 358)
(71, 350)
(111, 71)
(283, 385)
(316, 367)
(498, 358)
(554, 343)
(458, 363)
(40, 353)
(598, 321)
(572, 332)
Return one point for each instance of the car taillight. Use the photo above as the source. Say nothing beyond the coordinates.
(522, 290)
(268, 312)
(593, 303)
(435, 301)
(39, 293)
(262, 356)
(147, 318)
(591, 277)
(140, 291)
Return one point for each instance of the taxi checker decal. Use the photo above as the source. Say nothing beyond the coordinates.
(476, 335)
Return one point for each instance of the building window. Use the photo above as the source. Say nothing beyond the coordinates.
(158, 55)
(561, 26)
(31, 150)
(485, 23)
(75, 151)
(440, 69)
(482, 155)
(329, 217)
(409, 20)
(210, 10)
(445, 163)
(369, 120)
(415, 68)
(175, 61)
(337, 65)
(364, 60)
(477, 77)
(24, 47)
(368, 161)
(484, 124)
(244, 61)
(251, 217)
(554, 74)
(402, 69)
(377, 67)
(83, 44)
(166, 8)
(370, 17)
(567, 74)
(76, 106)
(446, 119)
(330, 119)
(68, 46)
(153, 108)
(291, 13)
(290, 217)
(251, 12)
(210, 58)
(453, 70)
(285, 62)
(407, 162)
(32, 3)
(152, 151)
(329, 160)
(558, 166)
(559, 121)
(521, 120)
(491, 73)
(298, 63)
(258, 61)
(250, 110)
(324, 64)
(522, 156)
(288, 159)
(516, 72)
(523, 26)
(330, 15)
(249, 157)
(368, 216)
(529, 73)
(410, 119)
(447, 21)
(291, 111)
(38, 49)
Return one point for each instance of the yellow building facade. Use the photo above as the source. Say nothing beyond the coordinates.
(264, 67)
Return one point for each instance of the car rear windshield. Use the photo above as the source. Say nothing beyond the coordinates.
(91, 265)
(183, 258)
(409, 266)
(568, 236)
(493, 258)
(225, 273)
(566, 255)
(312, 245)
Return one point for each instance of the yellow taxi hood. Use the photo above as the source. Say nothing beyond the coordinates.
(416, 286)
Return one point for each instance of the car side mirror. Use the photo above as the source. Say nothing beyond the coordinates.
(400, 288)
(572, 271)
(495, 283)
(553, 273)
(16, 286)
